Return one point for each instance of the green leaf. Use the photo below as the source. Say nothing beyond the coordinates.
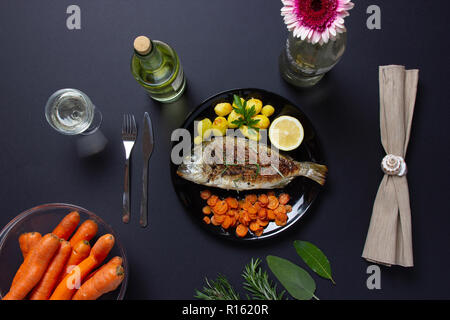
(296, 280)
(251, 112)
(240, 108)
(247, 114)
(238, 122)
(314, 258)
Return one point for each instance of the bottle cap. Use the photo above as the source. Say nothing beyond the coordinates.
(142, 45)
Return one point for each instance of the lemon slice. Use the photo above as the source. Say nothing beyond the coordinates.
(286, 133)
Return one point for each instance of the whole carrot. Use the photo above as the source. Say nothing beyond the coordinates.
(27, 241)
(105, 280)
(44, 288)
(34, 267)
(66, 289)
(86, 231)
(116, 261)
(67, 225)
(78, 254)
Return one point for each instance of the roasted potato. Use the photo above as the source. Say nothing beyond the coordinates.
(256, 103)
(231, 117)
(268, 110)
(263, 122)
(223, 109)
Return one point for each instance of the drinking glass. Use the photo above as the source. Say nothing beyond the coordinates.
(71, 112)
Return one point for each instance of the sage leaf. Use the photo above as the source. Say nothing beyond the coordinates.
(314, 258)
(294, 279)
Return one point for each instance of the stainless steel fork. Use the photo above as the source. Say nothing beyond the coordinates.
(129, 134)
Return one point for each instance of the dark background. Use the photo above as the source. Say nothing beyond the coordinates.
(224, 45)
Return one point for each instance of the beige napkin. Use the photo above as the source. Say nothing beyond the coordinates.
(389, 239)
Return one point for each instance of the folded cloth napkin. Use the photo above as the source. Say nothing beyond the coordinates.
(389, 239)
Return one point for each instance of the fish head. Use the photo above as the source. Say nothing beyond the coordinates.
(194, 169)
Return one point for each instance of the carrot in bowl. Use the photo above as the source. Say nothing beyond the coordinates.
(105, 280)
(67, 225)
(65, 289)
(27, 241)
(34, 267)
(48, 282)
(78, 254)
(86, 231)
(32, 239)
(116, 260)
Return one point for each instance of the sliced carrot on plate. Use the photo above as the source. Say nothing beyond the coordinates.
(283, 198)
(212, 200)
(241, 231)
(206, 210)
(273, 202)
(205, 194)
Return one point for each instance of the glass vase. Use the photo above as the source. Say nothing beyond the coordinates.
(303, 64)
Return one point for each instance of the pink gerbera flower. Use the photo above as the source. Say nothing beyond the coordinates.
(317, 21)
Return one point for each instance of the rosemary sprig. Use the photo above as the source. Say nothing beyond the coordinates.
(227, 165)
(247, 114)
(220, 289)
(258, 170)
(258, 284)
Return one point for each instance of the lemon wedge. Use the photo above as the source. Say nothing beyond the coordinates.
(286, 133)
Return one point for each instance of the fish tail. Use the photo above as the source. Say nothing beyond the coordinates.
(314, 171)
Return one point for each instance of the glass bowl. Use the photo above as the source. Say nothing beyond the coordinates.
(44, 219)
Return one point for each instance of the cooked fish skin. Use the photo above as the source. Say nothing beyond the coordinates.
(242, 174)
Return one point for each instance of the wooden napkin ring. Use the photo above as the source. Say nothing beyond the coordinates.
(394, 165)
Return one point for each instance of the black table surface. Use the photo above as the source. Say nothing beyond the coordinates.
(224, 45)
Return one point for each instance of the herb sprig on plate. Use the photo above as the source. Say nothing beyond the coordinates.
(246, 113)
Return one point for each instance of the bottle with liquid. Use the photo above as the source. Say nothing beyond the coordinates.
(157, 68)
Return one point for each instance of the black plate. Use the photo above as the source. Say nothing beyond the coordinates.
(303, 191)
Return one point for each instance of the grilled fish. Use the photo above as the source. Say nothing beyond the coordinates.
(234, 163)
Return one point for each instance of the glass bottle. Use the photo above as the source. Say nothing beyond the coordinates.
(303, 64)
(157, 68)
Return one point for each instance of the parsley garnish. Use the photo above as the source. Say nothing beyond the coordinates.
(247, 114)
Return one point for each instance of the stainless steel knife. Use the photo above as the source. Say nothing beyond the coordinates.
(147, 149)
